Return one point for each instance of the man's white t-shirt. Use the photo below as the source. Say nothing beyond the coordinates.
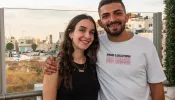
(125, 68)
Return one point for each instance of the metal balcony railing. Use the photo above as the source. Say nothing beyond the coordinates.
(20, 95)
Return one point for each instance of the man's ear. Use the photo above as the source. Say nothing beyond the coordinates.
(127, 18)
(100, 23)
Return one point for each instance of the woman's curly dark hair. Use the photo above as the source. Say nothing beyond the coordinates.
(65, 55)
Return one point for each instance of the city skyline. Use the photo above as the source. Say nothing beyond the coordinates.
(52, 20)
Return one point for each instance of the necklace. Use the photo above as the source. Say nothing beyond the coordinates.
(80, 69)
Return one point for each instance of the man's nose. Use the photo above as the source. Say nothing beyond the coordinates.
(112, 18)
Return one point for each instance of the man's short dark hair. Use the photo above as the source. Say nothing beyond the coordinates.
(104, 2)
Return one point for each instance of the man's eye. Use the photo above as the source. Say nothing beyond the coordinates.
(105, 16)
(118, 13)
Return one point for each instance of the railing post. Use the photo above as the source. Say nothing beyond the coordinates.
(2, 54)
(157, 33)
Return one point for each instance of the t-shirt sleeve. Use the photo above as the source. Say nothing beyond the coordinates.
(155, 73)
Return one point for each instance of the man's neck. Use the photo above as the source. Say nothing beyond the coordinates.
(124, 36)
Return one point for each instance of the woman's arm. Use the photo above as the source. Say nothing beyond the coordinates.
(50, 86)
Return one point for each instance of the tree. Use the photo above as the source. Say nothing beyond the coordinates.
(34, 46)
(10, 47)
(170, 41)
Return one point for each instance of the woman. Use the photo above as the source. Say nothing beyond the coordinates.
(76, 79)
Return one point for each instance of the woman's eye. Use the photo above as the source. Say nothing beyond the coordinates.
(92, 32)
(81, 30)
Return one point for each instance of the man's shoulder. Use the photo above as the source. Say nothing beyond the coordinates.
(101, 36)
(144, 43)
(143, 40)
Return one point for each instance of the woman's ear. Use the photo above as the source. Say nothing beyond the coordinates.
(71, 36)
(100, 23)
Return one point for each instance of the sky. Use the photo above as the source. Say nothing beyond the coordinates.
(40, 23)
(131, 5)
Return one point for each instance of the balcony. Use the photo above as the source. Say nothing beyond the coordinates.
(20, 75)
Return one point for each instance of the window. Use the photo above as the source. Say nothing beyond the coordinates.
(29, 41)
(140, 26)
(150, 25)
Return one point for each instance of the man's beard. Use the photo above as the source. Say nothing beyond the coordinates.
(118, 32)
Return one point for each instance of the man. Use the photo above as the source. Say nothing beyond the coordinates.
(128, 66)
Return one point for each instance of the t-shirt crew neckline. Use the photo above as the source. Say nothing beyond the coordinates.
(120, 43)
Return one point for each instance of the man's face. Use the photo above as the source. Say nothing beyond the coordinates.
(113, 18)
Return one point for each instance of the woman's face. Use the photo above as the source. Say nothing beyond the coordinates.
(83, 35)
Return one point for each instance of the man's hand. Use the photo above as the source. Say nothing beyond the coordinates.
(51, 65)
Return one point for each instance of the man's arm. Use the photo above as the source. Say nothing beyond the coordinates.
(157, 91)
(155, 73)
(50, 66)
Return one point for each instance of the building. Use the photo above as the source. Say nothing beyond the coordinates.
(61, 37)
(25, 44)
(139, 24)
(38, 41)
(44, 47)
(49, 39)
(13, 41)
(47, 45)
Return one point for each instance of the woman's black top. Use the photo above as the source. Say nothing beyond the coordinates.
(85, 85)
